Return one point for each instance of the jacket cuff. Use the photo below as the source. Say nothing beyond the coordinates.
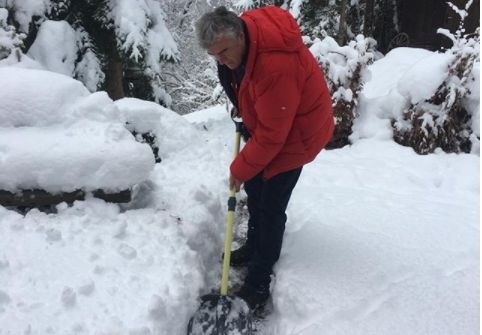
(240, 170)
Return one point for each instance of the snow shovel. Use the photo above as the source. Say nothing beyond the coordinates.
(222, 313)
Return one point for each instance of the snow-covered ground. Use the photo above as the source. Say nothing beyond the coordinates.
(379, 240)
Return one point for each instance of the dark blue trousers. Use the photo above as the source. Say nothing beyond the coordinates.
(267, 203)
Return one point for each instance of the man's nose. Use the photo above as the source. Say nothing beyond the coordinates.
(220, 59)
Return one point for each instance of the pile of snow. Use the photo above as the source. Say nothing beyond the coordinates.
(36, 98)
(57, 136)
(90, 269)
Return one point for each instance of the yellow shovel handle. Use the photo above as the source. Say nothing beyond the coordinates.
(228, 238)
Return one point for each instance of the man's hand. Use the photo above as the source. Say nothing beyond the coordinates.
(235, 113)
(234, 183)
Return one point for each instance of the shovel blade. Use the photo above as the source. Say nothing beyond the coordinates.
(221, 314)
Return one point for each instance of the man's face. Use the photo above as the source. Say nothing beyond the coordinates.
(228, 50)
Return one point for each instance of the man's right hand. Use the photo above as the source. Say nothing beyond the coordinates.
(234, 183)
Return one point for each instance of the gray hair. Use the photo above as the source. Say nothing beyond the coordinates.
(214, 24)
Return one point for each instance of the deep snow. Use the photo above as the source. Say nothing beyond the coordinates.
(379, 240)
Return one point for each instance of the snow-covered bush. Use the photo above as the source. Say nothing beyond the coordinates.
(344, 68)
(11, 42)
(443, 120)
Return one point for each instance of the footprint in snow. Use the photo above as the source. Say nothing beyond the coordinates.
(127, 251)
(120, 230)
(4, 263)
(68, 297)
(4, 298)
(53, 235)
(86, 288)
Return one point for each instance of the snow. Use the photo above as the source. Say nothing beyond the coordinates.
(8, 41)
(379, 240)
(140, 24)
(424, 77)
(45, 48)
(145, 116)
(56, 136)
(3, 14)
(88, 155)
(26, 9)
(403, 58)
(341, 63)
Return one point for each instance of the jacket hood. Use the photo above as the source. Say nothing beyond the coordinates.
(272, 29)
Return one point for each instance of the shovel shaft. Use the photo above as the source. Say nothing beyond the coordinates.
(228, 239)
(228, 235)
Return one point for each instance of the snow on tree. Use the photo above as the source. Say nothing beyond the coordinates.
(192, 81)
(444, 120)
(103, 40)
(344, 68)
(11, 42)
(26, 13)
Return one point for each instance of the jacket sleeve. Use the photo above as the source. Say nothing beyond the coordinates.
(276, 101)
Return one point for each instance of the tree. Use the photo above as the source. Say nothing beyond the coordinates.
(386, 23)
(369, 18)
(124, 41)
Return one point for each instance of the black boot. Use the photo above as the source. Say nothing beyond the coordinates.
(241, 257)
(255, 296)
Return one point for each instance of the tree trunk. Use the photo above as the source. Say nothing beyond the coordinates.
(113, 78)
(105, 40)
(342, 28)
(114, 73)
(369, 13)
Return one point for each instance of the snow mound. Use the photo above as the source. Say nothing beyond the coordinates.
(35, 97)
(389, 70)
(422, 80)
(57, 136)
(172, 131)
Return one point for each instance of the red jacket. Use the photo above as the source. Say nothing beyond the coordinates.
(283, 98)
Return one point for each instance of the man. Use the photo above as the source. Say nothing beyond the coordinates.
(280, 92)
